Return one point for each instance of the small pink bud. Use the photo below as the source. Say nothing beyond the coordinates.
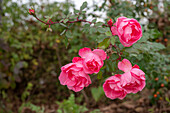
(108, 57)
(110, 22)
(31, 11)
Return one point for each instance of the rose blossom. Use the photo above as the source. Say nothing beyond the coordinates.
(133, 80)
(113, 89)
(128, 30)
(93, 60)
(73, 75)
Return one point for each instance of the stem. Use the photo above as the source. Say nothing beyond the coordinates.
(118, 53)
(78, 20)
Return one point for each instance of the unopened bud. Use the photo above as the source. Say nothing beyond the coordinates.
(31, 11)
(110, 22)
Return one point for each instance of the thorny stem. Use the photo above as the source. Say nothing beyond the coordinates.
(118, 53)
(78, 20)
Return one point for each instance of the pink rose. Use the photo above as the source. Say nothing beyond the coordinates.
(128, 30)
(113, 89)
(93, 60)
(133, 80)
(31, 11)
(73, 75)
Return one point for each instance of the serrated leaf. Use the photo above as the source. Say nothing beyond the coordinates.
(63, 25)
(108, 33)
(100, 38)
(73, 16)
(92, 30)
(84, 5)
(66, 20)
(99, 24)
(94, 20)
(76, 11)
(104, 44)
(69, 15)
(87, 26)
(112, 40)
(69, 34)
(101, 30)
(83, 12)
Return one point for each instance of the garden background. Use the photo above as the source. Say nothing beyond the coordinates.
(31, 56)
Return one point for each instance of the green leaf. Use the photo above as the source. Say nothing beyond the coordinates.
(63, 32)
(84, 5)
(83, 12)
(73, 16)
(92, 30)
(66, 20)
(63, 25)
(94, 20)
(69, 34)
(66, 42)
(76, 11)
(99, 24)
(101, 30)
(100, 38)
(99, 75)
(112, 40)
(104, 44)
(69, 15)
(108, 33)
(97, 93)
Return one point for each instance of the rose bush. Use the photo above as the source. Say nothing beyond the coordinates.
(128, 30)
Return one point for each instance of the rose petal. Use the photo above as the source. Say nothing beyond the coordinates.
(125, 65)
(100, 53)
(126, 78)
(84, 51)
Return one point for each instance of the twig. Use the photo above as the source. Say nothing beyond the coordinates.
(78, 20)
(85, 96)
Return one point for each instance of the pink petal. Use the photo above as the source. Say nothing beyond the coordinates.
(137, 73)
(74, 88)
(135, 66)
(114, 30)
(77, 59)
(65, 67)
(63, 78)
(119, 20)
(84, 51)
(126, 78)
(125, 65)
(100, 53)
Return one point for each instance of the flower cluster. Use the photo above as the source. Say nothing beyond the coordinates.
(128, 30)
(75, 74)
(132, 81)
